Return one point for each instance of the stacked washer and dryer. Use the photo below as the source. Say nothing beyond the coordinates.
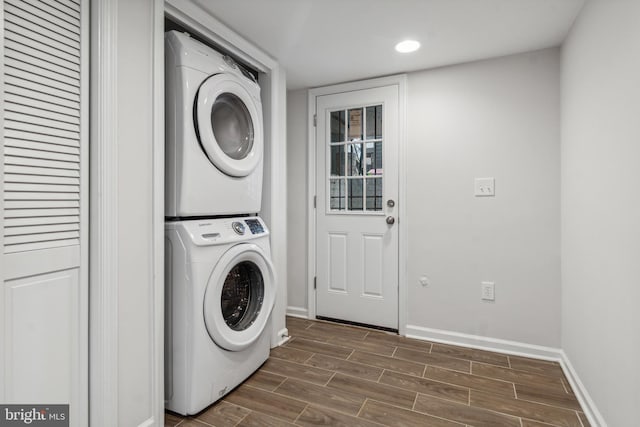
(219, 277)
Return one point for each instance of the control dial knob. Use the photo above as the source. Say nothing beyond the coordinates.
(238, 227)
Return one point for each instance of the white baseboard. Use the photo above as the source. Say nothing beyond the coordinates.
(587, 403)
(517, 349)
(485, 343)
(298, 312)
(148, 422)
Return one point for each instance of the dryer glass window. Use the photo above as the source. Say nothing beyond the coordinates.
(232, 126)
(242, 295)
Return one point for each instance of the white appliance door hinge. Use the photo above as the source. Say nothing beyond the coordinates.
(315, 282)
(315, 120)
(315, 199)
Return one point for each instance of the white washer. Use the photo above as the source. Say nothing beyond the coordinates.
(220, 291)
(214, 132)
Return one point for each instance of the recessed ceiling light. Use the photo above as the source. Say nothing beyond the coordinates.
(407, 46)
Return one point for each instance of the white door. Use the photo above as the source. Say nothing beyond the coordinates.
(357, 137)
(44, 205)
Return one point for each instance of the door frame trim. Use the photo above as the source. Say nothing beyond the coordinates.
(2, 261)
(399, 80)
(104, 103)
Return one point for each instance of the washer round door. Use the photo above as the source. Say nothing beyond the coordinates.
(239, 297)
(228, 122)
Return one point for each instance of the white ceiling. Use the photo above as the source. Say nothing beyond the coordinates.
(322, 42)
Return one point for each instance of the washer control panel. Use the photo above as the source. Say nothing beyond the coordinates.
(217, 231)
(255, 226)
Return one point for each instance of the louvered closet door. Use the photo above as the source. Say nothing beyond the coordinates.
(43, 327)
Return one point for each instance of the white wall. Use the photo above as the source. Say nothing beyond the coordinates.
(297, 200)
(496, 118)
(601, 205)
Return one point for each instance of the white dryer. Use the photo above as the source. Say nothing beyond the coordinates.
(214, 132)
(220, 291)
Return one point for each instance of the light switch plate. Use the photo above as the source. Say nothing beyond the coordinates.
(485, 187)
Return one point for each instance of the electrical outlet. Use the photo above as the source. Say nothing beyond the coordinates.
(485, 187)
(488, 291)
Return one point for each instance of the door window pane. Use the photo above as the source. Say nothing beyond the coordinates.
(337, 194)
(354, 159)
(374, 194)
(337, 126)
(337, 160)
(373, 160)
(355, 124)
(374, 122)
(355, 194)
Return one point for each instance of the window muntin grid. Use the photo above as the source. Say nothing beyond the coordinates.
(355, 152)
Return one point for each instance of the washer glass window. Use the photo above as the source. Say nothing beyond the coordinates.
(242, 295)
(232, 126)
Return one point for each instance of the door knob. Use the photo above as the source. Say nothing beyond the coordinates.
(390, 220)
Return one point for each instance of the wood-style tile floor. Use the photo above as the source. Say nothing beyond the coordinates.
(335, 375)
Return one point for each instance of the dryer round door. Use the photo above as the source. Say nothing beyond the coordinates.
(239, 297)
(228, 122)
